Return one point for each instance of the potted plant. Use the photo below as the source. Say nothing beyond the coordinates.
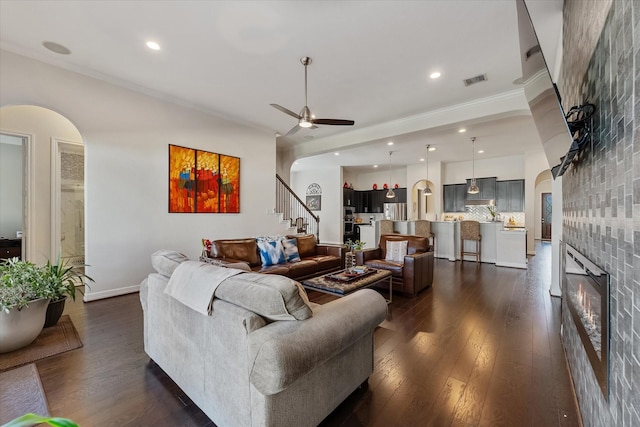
(28, 420)
(61, 279)
(24, 296)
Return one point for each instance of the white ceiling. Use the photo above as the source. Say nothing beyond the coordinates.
(371, 64)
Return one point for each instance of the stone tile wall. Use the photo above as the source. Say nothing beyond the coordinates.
(601, 209)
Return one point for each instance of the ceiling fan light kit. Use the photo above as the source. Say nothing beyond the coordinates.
(305, 118)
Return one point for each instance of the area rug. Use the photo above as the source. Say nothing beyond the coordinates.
(53, 340)
(21, 393)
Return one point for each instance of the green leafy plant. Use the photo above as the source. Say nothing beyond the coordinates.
(492, 211)
(33, 419)
(355, 245)
(61, 279)
(21, 282)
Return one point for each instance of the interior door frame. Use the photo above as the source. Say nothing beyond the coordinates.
(28, 193)
(542, 216)
(56, 181)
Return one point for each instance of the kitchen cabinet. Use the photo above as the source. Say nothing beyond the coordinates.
(363, 201)
(487, 188)
(377, 198)
(510, 195)
(454, 196)
(348, 197)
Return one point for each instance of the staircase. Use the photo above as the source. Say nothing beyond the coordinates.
(294, 210)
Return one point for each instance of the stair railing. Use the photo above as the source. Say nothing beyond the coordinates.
(295, 210)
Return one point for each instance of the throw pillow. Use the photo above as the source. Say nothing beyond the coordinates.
(271, 253)
(291, 253)
(396, 251)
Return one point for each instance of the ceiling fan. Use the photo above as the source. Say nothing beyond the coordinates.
(305, 118)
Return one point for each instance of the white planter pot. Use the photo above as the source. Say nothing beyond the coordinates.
(19, 328)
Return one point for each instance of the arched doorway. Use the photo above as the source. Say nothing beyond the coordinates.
(543, 206)
(53, 185)
(423, 207)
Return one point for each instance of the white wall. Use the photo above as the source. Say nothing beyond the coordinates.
(10, 189)
(508, 167)
(126, 135)
(379, 176)
(331, 214)
(41, 124)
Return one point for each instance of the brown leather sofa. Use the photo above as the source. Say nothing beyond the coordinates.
(410, 276)
(315, 259)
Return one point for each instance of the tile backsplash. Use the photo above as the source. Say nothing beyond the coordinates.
(481, 213)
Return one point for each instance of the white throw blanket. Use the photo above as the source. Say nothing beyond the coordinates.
(194, 284)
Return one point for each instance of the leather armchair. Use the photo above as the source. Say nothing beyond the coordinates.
(412, 275)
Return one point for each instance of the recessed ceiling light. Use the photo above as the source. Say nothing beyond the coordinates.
(462, 130)
(480, 151)
(57, 48)
(435, 75)
(336, 154)
(422, 160)
(390, 143)
(432, 148)
(375, 166)
(153, 45)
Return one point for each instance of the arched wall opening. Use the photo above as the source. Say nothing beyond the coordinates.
(53, 182)
(543, 185)
(422, 207)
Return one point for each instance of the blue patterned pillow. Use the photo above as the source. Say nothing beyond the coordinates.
(291, 253)
(271, 253)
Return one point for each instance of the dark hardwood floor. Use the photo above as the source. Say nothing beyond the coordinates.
(480, 348)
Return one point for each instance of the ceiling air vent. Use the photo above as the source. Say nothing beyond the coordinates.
(476, 79)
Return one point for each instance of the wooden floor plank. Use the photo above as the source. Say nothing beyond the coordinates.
(480, 348)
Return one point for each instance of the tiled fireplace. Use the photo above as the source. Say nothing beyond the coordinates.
(586, 292)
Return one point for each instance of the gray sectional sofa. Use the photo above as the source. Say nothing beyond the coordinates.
(264, 356)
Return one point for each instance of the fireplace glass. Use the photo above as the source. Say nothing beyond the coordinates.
(585, 289)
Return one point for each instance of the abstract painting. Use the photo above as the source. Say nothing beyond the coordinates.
(203, 182)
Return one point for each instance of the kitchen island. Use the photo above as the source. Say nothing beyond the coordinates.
(500, 246)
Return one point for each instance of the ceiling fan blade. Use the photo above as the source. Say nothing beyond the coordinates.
(334, 122)
(293, 130)
(285, 110)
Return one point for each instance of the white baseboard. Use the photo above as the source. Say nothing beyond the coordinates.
(94, 296)
(512, 265)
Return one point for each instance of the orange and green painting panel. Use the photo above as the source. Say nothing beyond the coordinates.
(203, 182)
(229, 184)
(181, 179)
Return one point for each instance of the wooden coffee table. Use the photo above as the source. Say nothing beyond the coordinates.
(331, 284)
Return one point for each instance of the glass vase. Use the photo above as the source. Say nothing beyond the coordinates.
(349, 260)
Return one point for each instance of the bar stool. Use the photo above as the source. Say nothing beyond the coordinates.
(470, 230)
(423, 229)
(386, 226)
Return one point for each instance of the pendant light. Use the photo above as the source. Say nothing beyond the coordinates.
(427, 190)
(473, 187)
(390, 193)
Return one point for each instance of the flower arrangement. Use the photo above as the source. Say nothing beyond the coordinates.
(492, 211)
(206, 248)
(355, 246)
